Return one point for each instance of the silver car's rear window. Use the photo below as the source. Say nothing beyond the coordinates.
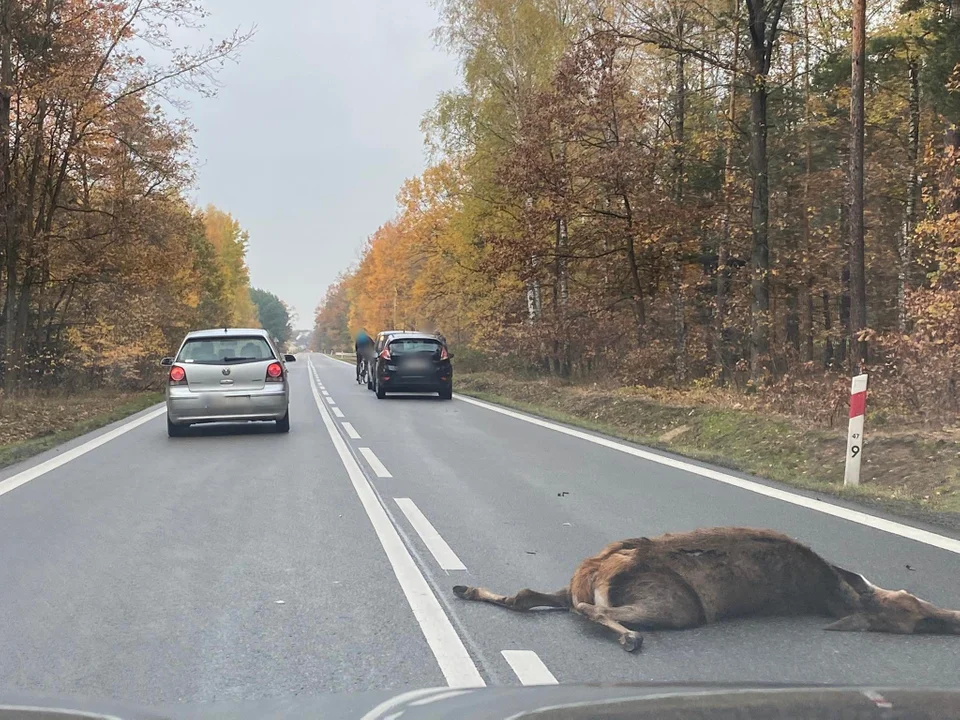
(225, 351)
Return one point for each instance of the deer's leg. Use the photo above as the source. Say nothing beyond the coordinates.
(650, 614)
(523, 600)
(628, 639)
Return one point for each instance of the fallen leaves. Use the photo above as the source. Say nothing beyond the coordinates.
(35, 415)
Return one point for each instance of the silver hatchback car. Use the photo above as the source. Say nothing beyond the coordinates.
(227, 375)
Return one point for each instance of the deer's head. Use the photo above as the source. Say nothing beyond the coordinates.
(893, 611)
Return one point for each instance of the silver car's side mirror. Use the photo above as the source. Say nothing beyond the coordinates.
(166, 362)
(289, 358)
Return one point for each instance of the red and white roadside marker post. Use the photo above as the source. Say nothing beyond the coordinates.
(858, 406)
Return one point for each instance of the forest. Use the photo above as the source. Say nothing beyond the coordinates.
(104, 262)
(663, 193)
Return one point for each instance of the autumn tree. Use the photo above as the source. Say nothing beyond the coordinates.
(330, 330)
(95, 235)
(229, 242)
(658, 193)
(273, 315)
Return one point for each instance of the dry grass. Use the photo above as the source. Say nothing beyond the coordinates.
(32, 423)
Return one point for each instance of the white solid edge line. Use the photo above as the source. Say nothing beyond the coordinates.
(862, 518)
(378, 467)
(21, 478)
(528, 667)
(444, 555)
(447, 647)
(351, 430)
(338, 412)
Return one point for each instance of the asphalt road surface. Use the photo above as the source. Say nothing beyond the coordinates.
(238, 563)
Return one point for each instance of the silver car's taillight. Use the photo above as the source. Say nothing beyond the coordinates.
(178, 376)
(274, 372)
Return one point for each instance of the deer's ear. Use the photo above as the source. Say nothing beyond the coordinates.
(855, 580)
(851, 623)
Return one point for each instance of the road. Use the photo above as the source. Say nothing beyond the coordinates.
(238, 563)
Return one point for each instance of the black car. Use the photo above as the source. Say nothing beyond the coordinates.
(413, 362)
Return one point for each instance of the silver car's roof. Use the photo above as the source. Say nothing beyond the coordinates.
(229, 332)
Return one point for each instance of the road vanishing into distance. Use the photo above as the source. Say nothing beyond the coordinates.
(239, 563)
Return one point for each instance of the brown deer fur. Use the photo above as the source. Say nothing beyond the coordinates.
(688, 579)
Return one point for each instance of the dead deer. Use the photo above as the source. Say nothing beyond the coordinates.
(685, 580)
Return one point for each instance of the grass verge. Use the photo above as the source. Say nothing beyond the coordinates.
(31, 424)
(915, 473)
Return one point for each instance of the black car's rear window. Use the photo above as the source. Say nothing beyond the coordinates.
(225, 351)
(414, 345)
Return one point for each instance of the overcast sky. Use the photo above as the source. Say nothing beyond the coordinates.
(314, 130)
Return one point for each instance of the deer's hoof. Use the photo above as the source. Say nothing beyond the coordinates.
(461, 591)
(631, 641)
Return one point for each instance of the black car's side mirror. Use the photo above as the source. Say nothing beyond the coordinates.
(450, 356)
(289, 358)
(166, 362)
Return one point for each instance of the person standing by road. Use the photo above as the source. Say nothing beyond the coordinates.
(363, 346)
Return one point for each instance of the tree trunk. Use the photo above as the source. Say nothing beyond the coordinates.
(563, 240)
(841, 355)
(533, 285)
(858, 280)
(763, 24)
(949, 192)
(11, 250)
(760, 223)
(560, 295)
(791, 323)
(949, 195)
(827, 326)
(807, 250)
(676, 268)
(722, 250)
(639, 311)
(910, 207)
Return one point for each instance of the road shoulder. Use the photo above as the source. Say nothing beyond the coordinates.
(772, 448)
(33, 425)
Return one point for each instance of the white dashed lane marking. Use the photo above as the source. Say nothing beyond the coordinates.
(455, 662)
(528, 667)
(378, 467)
(445, 556)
